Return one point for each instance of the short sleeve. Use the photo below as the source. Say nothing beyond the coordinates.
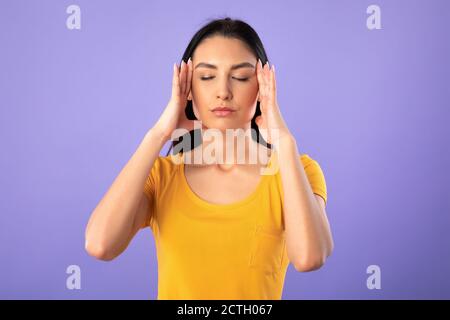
(150, 188)
(315, 176)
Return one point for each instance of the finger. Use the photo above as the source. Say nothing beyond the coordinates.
(259, 76)
(273, 88)
(269, 82)
(267, 79)
(261, 80)
(175, 81)
(186, 75)
(182, 78)
(189, 79)
(266, 73)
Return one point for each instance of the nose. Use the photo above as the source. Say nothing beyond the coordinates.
(223, 90)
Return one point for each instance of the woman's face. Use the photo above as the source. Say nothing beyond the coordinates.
(224, 75)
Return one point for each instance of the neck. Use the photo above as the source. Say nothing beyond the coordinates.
(227, 149)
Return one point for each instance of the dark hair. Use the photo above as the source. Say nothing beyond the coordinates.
(229, 28)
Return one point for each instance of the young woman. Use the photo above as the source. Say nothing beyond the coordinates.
(222, 230)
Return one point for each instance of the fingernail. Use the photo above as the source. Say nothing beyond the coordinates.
(189, 59)
(273, 67)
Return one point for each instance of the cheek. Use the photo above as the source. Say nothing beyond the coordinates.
(248, 97)
(250, 112)
(198, 99)
(200, 93)
(247, 91)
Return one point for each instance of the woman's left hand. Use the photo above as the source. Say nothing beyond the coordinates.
(270, 123)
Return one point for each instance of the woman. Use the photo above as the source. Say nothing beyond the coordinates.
(222, 231)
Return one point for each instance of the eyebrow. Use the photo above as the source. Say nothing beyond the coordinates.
(233, 67)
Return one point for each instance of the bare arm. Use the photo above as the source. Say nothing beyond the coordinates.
(123, 209)
(308, 236)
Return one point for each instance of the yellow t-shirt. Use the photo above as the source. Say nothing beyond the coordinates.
(216, 251)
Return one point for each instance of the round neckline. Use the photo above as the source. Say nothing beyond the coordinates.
(227, 206)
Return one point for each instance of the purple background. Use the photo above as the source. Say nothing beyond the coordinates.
(371, 106)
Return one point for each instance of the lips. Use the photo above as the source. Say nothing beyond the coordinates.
(222, 109)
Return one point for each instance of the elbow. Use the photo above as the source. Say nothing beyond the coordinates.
(308, 265)
(312, 263)
(98, 251)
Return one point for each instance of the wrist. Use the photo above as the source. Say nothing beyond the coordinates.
(284, 139)
(156, 135)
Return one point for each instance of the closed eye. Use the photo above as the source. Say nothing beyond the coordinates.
(209, 78)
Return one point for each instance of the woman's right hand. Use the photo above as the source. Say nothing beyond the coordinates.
(173, 116)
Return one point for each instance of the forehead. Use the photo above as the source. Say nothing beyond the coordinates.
(223, 50)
